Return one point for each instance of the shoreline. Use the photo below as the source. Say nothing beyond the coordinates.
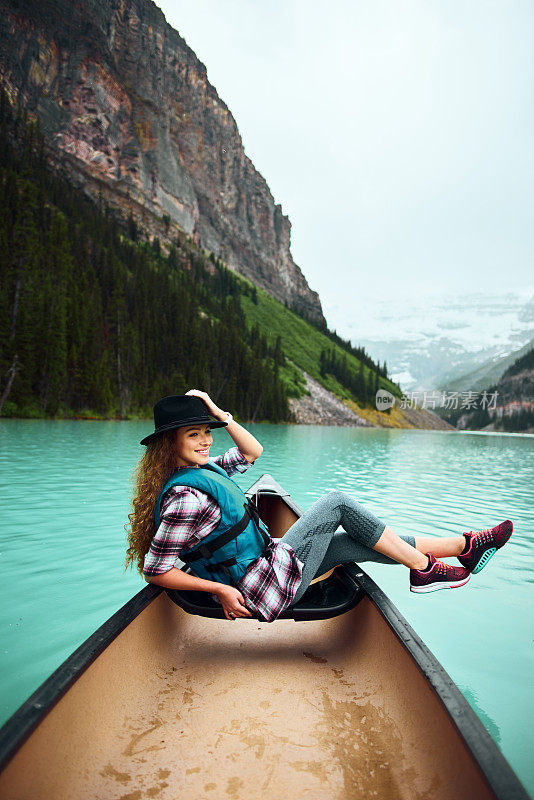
(528, 433)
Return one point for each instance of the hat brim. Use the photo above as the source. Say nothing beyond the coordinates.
(213, 423)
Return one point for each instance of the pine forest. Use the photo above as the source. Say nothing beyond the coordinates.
(99, 320)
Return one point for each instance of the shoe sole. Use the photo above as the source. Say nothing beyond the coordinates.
(483, 560)
(485, 557)
(435, 587)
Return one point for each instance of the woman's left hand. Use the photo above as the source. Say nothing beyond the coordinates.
(214, 410)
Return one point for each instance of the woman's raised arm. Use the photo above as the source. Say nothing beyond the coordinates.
(247, 443)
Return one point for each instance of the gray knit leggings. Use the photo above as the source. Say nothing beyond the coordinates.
(319, 547)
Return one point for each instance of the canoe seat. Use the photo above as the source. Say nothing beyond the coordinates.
(326, 598)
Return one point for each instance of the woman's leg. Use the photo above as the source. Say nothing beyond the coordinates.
(441, 547)
(396, 548)
(311, 535)
(399, 550)
(344, 550)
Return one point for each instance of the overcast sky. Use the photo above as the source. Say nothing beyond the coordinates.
(396, 134)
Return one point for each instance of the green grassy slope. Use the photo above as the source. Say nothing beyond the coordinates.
(302, 343)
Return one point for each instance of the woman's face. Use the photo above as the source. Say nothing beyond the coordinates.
(192, 445)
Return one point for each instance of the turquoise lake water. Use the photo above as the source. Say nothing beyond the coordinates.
(65, 497)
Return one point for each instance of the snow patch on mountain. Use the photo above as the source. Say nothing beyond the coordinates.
(429, 338)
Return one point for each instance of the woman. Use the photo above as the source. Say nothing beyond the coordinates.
(186, 507)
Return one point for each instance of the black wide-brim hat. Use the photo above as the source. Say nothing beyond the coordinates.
(180, 410)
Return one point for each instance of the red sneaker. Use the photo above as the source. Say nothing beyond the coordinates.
(484, 544)
(439, 576)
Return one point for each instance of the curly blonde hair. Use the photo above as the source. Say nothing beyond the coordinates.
(155, 466)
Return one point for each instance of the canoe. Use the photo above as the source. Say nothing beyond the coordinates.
(338, 698)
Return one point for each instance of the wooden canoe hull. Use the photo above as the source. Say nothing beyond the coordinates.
(162, 703)
(331, 708)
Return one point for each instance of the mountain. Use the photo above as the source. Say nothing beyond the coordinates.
(506, 405)
(514, 400)
(517, 383)
(130, 114)
(106, 121)
(488, 373)
(431, 341)
(96, 320)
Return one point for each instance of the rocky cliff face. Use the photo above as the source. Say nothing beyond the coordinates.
(129, 110)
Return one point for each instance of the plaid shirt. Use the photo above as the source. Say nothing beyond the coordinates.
(188, 514)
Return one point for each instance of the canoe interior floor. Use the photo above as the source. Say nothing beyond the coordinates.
(183, 706)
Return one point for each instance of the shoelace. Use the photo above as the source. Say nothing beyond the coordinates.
(482, 537)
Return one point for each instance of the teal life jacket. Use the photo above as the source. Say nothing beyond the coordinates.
(240, 537)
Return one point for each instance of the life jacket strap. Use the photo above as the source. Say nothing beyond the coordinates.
(230, 562)
(206, 550)
(253, 510)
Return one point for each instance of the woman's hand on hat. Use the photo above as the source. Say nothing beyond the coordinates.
(232, 602)
(214, 410)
